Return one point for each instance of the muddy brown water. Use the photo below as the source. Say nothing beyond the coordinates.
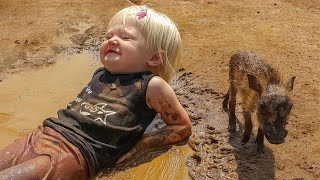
(27, 98)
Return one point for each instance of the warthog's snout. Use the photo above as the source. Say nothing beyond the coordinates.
(274, 136)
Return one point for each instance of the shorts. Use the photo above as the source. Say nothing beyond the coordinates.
(66, 160)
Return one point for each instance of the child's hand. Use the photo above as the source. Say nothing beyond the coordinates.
(164, 137)
(127, 156)
(139, 146)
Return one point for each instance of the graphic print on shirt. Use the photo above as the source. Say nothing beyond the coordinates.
(88, 89)
(96, 111)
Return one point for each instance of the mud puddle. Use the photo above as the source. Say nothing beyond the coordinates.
(28, 97)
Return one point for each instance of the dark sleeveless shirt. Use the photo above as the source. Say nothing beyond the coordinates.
(107, 118)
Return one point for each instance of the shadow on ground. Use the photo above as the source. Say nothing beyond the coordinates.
(251, 164)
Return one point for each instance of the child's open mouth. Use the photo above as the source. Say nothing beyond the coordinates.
(110, 50)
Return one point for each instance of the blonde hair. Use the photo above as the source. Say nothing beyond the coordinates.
(161, 35)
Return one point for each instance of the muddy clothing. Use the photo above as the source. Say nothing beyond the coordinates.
(66, 160)
(107, 118)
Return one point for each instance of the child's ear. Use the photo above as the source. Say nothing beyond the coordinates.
(157, 59)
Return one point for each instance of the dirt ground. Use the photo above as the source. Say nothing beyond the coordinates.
(285, 32)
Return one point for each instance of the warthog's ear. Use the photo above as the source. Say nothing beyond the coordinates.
(290, 83)
(254, 84)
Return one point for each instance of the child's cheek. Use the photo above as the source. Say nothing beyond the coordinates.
(104, 46)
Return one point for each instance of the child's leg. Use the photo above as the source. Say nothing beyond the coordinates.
(8, 154)
(44, 152)
(13, 153)
(36, 168)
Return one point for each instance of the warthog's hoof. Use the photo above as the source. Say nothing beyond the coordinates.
(232, 129)
(260, 147)
(245, 139)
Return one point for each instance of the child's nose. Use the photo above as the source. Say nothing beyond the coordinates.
(113, 41)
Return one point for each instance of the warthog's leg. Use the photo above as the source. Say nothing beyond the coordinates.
(226, 101)
(247, 127)
(259, 140)
(247, 108)
(232, 107)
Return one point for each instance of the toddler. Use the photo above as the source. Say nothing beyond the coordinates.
(105, 124)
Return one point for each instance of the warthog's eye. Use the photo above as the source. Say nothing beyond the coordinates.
(282, 112)
(284, 108)
(262, 105)
(264, 111)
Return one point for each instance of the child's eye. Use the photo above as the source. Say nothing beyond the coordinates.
(108, 35)
(126, 38)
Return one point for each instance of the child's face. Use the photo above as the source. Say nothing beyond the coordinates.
(125, 49)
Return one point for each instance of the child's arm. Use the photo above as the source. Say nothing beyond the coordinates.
(161, 97)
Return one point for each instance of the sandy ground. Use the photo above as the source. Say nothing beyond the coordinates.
(285, 32)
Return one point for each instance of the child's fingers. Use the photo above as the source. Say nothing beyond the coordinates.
(128, 155)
